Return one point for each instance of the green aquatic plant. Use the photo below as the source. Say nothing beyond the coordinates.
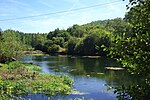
(18, 64)
(17, 79)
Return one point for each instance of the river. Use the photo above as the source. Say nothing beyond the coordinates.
(89, 76)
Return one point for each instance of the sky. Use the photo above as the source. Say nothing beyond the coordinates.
(43, 16)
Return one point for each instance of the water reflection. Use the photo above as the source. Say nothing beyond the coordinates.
(89, 75)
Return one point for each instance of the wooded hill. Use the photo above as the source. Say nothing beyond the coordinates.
(85, 40)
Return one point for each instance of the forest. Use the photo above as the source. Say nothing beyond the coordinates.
(127, 40)
(83, 40)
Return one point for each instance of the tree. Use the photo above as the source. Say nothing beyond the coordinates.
(0, 33)
(71, 45)
(65, 35)
(53, 48)
(118, 26)
(0, 30)
(132, 50)
(47, 44)
(77, 31)
(10, 46)
(53, 33)
(91, 44)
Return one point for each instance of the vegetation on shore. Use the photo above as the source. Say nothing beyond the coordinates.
(18, 79)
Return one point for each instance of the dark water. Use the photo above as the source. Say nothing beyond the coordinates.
(89, 76)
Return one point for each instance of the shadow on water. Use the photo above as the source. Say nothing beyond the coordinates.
(89, 76)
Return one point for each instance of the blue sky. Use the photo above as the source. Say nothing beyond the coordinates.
(9, 9)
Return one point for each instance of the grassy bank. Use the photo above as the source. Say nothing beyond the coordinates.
(17, 78)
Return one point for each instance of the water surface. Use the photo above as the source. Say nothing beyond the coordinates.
(89, 76)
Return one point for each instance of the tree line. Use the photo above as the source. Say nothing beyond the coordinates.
(80, 40)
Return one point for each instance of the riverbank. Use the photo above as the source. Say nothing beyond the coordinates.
(36, 52)
(18, 79)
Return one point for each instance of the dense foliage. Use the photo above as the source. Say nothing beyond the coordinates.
(85, 40)
(132, 49)
(11, 46)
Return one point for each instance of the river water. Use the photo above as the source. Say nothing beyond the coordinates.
(89, 76)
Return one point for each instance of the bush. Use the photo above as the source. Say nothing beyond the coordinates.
(53, 48)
